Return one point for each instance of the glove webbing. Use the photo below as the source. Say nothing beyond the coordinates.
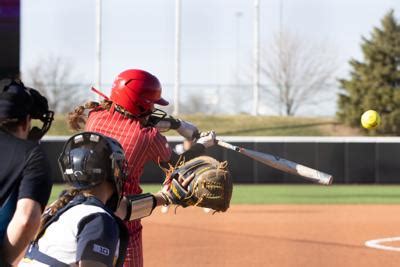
(180, 192)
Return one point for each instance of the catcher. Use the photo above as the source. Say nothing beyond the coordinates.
(80, 228)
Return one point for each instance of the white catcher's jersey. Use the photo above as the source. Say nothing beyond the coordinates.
(60, 240)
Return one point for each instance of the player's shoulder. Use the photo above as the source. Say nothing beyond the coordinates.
(21, 150)
(94, 216)
(82, 210)
(82, 214)
(103, 221)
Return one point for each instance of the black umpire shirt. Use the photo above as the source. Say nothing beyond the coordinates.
(24, 173)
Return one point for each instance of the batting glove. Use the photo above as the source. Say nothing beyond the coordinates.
(207, 139)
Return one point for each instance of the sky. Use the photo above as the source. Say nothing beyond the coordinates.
(216, 43)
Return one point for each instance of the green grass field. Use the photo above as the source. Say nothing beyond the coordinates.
(246, 125)
(301, 194)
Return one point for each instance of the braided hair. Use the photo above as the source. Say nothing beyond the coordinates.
(77, 118)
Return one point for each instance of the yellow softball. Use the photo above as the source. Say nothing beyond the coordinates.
(370, 119)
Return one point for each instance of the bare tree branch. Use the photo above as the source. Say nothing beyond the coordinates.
(54, 78)
(297, 71)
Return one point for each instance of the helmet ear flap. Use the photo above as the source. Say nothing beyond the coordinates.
(63, 159)
(118, 165)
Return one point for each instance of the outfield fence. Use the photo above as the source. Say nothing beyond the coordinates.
(351, 160)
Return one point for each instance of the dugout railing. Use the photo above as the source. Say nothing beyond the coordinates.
(363, 160)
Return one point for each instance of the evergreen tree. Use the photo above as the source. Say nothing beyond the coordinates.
(375, 82)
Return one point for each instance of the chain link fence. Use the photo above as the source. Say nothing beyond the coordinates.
(208, 99)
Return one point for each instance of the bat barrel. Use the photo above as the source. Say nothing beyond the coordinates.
(289, 167)
(282, 164)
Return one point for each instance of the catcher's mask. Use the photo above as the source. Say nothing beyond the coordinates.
(18, 101)
(89, 159)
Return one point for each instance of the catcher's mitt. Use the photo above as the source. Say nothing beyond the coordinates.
(202, 181)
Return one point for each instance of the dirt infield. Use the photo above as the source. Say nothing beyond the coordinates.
(273, 235)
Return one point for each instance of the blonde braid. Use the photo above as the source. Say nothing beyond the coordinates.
(77, 118)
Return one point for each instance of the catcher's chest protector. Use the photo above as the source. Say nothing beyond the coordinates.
(34, 252)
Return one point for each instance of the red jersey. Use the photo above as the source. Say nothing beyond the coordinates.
(141, 144)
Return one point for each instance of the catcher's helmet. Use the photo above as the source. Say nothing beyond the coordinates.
(89, 159)
(137, 91)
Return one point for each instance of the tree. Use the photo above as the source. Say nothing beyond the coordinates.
(374, 83)
(198, 103)
(296, 72)
(54, 78)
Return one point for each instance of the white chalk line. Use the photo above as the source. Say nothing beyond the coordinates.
(376, 243)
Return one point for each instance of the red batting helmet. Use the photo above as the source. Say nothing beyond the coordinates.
(137, 91)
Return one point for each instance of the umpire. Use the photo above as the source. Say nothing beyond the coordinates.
(25, 184)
